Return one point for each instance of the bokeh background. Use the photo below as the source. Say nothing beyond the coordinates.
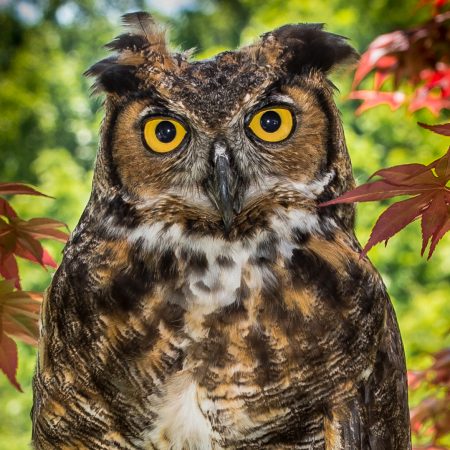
(49, 133)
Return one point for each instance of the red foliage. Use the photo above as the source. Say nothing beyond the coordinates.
(430, 201)
(418, 58)
(19, 316)
(431, 417)
(19, 310)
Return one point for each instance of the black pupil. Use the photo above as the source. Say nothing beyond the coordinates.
(165, 131)
(270, 121)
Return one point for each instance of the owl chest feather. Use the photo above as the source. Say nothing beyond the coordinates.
(269, 321)
(205, 343)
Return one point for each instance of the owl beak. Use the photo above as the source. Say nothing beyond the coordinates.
(219, 184)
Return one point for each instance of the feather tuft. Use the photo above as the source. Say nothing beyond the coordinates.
(144, 43)
(305, 47)
(142, 25)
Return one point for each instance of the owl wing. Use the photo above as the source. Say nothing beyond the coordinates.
(378, 418)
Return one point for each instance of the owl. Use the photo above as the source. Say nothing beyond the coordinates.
(205, 300)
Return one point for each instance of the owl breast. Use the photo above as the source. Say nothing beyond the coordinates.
(254, 335)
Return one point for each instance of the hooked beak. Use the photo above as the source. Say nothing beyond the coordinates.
(220, 185)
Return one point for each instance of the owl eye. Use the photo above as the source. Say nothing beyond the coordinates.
(164, 134)
(272, 124)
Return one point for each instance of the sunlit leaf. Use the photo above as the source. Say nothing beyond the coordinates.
(375, 98)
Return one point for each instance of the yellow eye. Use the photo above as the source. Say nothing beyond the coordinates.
(163, 134)
(272, 124)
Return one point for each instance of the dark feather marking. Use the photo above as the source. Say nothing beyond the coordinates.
(167, 266)
(119, 79)
(113, 77)
(242, 293)
(130, 285)
(109, 140)
(171, 314)
(274, 308)
(202, 286)
(259, 344)
(308, 269)
(124, 213)
(101, 66)
(300, 236)
(362, 287)
(195, 260)
(225, 261)
(138, 344)
(331, 145)
(266, 251)
(127, 41)
(212, 352)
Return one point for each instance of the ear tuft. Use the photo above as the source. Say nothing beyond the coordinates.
(308, 47)
(142, 26)
(127, 41)
(144, 44)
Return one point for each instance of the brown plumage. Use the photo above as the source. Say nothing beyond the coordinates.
(205, 301)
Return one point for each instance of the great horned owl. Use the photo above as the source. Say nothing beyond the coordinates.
(205, 301)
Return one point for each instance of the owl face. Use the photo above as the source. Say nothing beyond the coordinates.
(214, 142)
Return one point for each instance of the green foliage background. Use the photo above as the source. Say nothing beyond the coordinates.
(49, 132)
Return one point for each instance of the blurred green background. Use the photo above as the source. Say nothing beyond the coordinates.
(49, 133)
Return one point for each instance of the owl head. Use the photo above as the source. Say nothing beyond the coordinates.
(221, 145)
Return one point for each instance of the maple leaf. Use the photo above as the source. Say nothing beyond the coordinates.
(430, 202)
(6, 209)
(19, 189)
(19, 310)
(9, 359)
(443, 129)
(21, 238)
(374, 98)
(432, 101)
(19, 314)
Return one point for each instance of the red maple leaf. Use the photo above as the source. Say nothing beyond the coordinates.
(418, 58)
(19, 313)
(430, 201)
(19, 189)
(21, 238)
(374, 98)
(15, 189)
(19, 310)
(443, 129)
